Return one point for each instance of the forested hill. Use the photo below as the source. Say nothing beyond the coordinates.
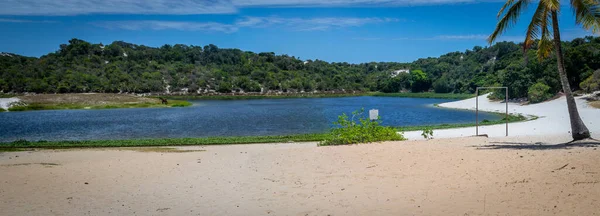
(124, 67)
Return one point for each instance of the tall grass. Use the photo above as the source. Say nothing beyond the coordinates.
(426, 95)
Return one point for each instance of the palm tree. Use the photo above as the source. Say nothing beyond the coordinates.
(587, 14)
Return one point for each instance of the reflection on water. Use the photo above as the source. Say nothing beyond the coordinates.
(222, 118)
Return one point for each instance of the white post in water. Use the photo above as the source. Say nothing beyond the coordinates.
(373, 114)
(477, 107)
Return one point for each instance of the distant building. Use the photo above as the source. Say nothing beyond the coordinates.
(398, 72)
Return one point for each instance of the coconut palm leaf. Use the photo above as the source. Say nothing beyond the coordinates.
(587, 13)
(509, 19)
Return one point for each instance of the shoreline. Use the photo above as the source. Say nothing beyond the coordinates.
(547, 118)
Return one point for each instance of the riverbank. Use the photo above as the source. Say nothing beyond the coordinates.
(536, 175)
(238, 96)
(84, 101)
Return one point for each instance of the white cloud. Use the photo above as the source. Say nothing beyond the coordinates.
(78, 7)
(23, 21)
(168, 25)
(463, 37)
(294, 24)
(311, 24)
(179, 7)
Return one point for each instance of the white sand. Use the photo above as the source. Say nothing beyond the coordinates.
(460, 176)
(554, 119)
(4, 102)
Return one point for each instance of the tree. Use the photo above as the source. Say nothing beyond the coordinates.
(420, 81)
(545, 16)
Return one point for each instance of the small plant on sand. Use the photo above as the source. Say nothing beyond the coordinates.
(361, 131)
(427, 133)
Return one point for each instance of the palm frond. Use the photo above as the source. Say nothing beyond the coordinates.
(587, 13)
(506, 5)
(553, 5)
(538, 22)
(509, 19)
(545, 46)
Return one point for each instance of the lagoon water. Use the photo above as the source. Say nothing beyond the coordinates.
(223, 118)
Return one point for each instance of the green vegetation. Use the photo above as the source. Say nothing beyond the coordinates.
(165, 141)
(2, 95)
(361, 131)
(80, 66)
(160, 149)
(427, 133)
(539, 93)
(511, 119)
(2, 110)
(249, 97)
(592, 83)
(425, 95)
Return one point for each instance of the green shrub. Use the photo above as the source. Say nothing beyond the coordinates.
(539, 93)
(592, 83)
(2, 110)
(427, 133)
(363, 131)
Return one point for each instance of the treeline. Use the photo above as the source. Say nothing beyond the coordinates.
(124, 67)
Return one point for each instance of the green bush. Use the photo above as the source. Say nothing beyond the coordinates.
(539, 93)
(363, 131)
(592, 83)
(427, 133)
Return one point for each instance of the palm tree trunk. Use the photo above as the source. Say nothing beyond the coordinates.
(578, 129)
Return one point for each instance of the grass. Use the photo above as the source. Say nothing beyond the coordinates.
(3, 95)
(163, 142)
(321, 95)
(27, 164)
(160, 149)
(425, 95)
(511, 119)
(249, 97)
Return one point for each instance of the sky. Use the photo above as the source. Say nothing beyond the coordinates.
(353, 31)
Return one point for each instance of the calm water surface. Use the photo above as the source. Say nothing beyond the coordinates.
(222, 118)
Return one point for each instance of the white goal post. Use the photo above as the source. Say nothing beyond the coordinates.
(477, 107)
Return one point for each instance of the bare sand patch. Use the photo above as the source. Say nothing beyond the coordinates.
(88, 99)
(459, 176)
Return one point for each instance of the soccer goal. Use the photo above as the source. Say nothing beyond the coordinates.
(477, 107)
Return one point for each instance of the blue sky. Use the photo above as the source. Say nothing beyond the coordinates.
(337, 30)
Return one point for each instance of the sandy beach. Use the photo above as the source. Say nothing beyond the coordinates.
(553, 119)
(459, 176)
(5, 102)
